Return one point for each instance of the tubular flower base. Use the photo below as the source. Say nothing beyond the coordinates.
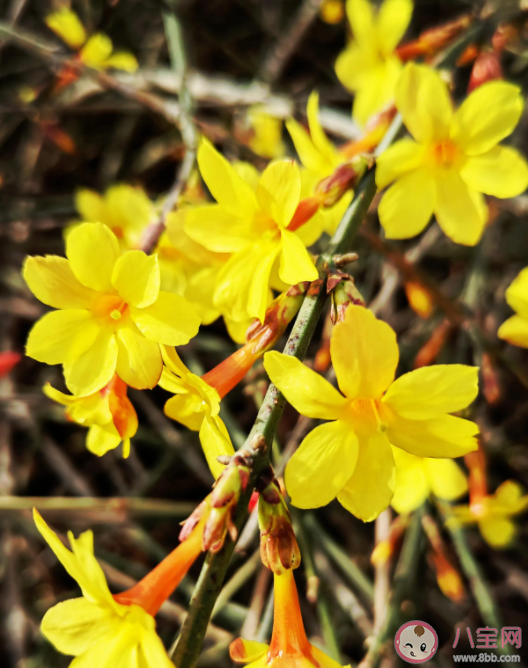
(493, 514)
(418, 477)
(112, 315)
(253, 226)
(351, 457)
(96, 51)
(369, 66)
(515, 329)
(108, 414)
(453, 158)
(108, 631)
(289, 647)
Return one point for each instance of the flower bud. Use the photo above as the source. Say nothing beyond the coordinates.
(344, 292)
(486, 68)
(279, 550)
(344, 178)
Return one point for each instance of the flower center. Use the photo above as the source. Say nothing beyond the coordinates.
(445, 153)
(366, 415)
(110, 307)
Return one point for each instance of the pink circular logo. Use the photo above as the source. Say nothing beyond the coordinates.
(416, 642)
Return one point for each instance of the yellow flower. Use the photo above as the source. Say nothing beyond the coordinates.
(289, 647)
(418, 477)
(320, 159)
(253, 226)
(267, 133)
(453, 158)
(369, 66)
(96, 51)
(108, 414)
(515, 329)
(351, 456)
(108, 631)
(112, 315)
(197, 406)
(126, 210)
(493, 513)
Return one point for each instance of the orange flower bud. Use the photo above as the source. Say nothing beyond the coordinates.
(491, 387)
(8, 360)
(487, 67)
(478, 488)
(433, 347)
(419, 299)
(433, 40)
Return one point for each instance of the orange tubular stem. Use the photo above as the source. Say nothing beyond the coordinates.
(230, 372)
(478, 488)
(305, 210)
(289, 636)
(156, 587)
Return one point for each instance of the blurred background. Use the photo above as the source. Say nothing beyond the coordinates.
(58, 136)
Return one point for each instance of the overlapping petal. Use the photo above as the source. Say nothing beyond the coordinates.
(392, 22)
(170, 320)
(136, 277)
(399, 159)
(61, 336)
(279, 190)
(319, 469)
(412, 486)
(296, 264)
(218, 229)
(259, 287)
(95, 367)
(445, 478)
(215, 441)
(461, 212)
(88, 242)
(501, 172)
(52, 281)
(139, 362)
(364, 354)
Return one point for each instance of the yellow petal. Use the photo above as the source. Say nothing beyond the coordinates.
(321, 466)
(442, 437)
(319, 138)
(361, 18)
(225, 184)
(445, 478)
(52, 282)
(392, 22)
(61, 336)
(279, 191)
(188, 409)
(76, 625)
(378, 91)
(90, 205)
(371, 487)
(247, 651)
(515, 331)
(430, 391)
(296, 265)
(423, 100)
(170, 320)
(486, 116)
(101, 440)
(517, 293)
(94, 368)
(215, 441)
(67, 26)
(509, 499)
(260, 281)
(93, 250)
(139, 361)
(121, 60)
(136, 277)
(364, 354)
(399, 159)
(501, 172)
(218, 229)
(355, 66)
(407, 206)
(307, 391)
(461, 213)
(412, 486)
(497, 531)
(307, 152)
(152, 651)
(96, 50)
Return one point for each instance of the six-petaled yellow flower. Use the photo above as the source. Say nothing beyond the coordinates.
(96, 51)
(493, 513)
(289, 647)
(112, 314)
(369, 66)
(351, 457)
(103, 630)
(515, 329)
(253, 226)
(418, 477)
(452, 158)
(108, 414)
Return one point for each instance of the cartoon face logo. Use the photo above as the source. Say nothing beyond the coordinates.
(416, 642)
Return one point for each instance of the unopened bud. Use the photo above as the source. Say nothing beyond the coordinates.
(419, 299)
(486, 68)
(433, 40)
(279, 550)
(345, 178)
(491, 386)
(344, 293)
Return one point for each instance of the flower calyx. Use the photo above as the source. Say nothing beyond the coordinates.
(346, 177)
(343, 292)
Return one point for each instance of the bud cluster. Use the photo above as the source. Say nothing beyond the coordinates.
(279, 550)
(344, 292)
